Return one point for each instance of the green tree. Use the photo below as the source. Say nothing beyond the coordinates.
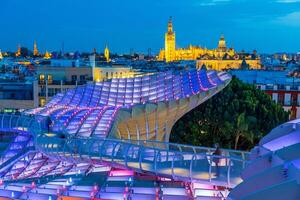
(237, 117)
(243, 129)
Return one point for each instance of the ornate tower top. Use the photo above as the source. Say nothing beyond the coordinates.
(106, 53)
(47, 55)
(170, 26)
(222, 43)
(35, 50)
(170, 43)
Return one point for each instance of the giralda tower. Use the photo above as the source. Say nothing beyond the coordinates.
(170, 44)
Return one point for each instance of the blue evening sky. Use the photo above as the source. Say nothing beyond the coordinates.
(265, 25)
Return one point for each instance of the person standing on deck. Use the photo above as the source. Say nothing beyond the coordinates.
(216, 158)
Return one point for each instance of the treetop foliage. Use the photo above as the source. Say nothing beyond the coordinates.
(237, 117)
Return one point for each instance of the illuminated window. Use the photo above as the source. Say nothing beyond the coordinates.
(50, 79)
(293, 114)
(42, 78)
(42, 101)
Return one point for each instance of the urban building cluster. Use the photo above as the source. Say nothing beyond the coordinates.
(97, 125)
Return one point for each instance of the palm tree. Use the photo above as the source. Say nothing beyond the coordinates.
(242, 128)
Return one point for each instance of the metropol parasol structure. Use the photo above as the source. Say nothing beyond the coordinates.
(110, 140)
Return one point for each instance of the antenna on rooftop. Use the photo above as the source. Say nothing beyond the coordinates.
(149, 52)
(63, 48)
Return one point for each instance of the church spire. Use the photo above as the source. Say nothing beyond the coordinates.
(18, 53)
(106, 53)
(35, 49)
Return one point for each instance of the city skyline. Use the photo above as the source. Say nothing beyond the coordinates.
(268, 26)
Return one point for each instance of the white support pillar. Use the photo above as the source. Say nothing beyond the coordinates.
(35, 94)
(46, 90)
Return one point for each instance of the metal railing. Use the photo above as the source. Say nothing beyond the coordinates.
(20, 122)
(184, 162)
(180, 162)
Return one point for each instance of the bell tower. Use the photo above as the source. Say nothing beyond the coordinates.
(170, 43)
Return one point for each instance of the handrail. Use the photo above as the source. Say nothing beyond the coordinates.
(182, 145)
(135, 156)
(131, 154)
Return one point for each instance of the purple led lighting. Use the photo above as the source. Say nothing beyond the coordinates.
(75, 109)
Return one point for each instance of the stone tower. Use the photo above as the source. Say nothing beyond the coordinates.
(170, 43)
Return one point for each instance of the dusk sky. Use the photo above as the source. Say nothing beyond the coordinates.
(266, 25)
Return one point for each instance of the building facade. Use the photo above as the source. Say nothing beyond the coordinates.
(283, 89)
(18, 95)
(222, 64)
(62, 75)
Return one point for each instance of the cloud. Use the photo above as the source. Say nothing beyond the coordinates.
(291, 19)
(211, 2)
(288, 1)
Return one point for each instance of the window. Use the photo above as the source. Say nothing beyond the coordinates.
(42, 78)
(293, 114)
(294, 99)
(82, 78)
(51, 92)
(50, 79)
(74, 78)
(57, 90)
(42, 93)
(42, 101)
(281, 98)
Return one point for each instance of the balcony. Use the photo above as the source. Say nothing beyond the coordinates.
(59, 82)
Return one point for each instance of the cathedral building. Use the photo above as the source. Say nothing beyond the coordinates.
(218, 59)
